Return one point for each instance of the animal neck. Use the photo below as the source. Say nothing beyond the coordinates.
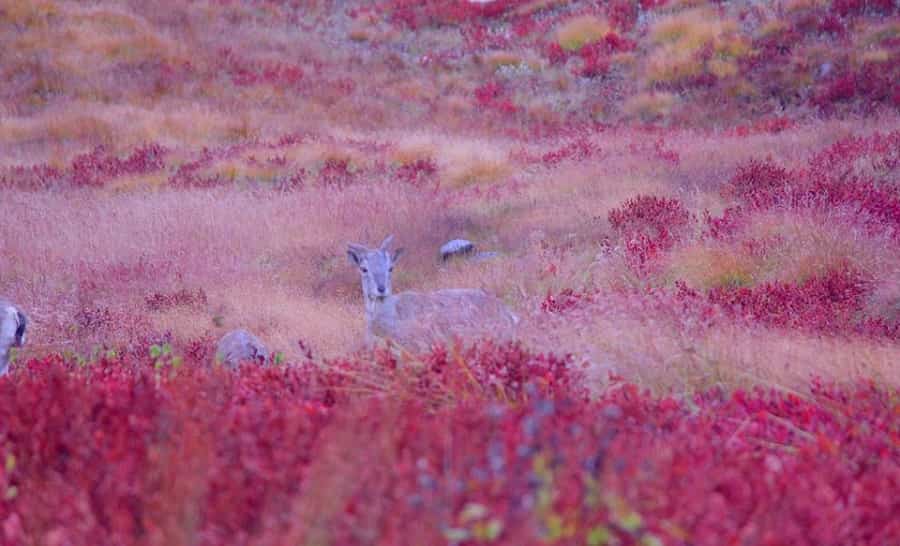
(379, 310)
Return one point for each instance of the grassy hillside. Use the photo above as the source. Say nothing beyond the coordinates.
(695, 207)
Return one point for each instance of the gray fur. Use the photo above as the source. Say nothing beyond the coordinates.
(20, 331)
(241, 346)
(13, 324)
(418, 320)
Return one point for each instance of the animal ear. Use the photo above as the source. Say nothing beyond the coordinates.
(397, 253)
(387, 242)
(355, 253)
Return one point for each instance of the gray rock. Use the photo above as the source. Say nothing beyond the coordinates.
(456, 247)
(483, 256)
(241, 346)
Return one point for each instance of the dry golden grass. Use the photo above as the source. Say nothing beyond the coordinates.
(461, 161)
(579, 31)
(27, 14)
(619, 337)
(878, 33)
(275, 263)
(796, 247)
(885, 299)
(713, 266)
(650, 106)
(681, 36)
(498, 59)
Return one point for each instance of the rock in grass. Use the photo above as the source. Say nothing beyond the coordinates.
(483, 256)
(456, 247)
(241, 346)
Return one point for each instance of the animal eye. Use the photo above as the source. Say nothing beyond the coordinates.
(391, 269)
(363, 269)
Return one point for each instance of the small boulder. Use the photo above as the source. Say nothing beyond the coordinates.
(241, 346)
(456, 247)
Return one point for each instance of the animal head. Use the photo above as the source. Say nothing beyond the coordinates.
(375, 267)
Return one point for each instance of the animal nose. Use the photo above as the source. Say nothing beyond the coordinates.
(381, 289)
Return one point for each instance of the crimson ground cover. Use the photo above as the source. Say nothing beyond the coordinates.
(127, 452)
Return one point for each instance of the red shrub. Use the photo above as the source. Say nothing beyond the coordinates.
(763, 185)
(417, 13)
(244, 72)
(337, 173)
(650, 227)
(772, 125)
(523, 26)
(555, 53)
(832, 24)
(666, 154)
(292, 182)
(838, 161)
(860, 7)
(122, 453)
(726, 227)
(840, 89)
(34, 177)
(831, 303)
(826, 303)
(758, 182)
(418, 172)
(158, 301)
(594, 61)
(564, 301)
(576, 150)
(623, 14)
(492, 95)
(96, 168)
(655, 216)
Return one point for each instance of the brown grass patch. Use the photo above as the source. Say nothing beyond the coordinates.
(579, 31)
(650, 106)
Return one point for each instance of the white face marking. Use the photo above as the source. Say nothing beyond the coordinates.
(375, 268)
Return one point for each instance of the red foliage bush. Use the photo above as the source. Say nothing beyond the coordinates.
(159, 301)
(649, 214)
(831, 303)
(594, 60)
(763, 185)
(623, 14)
(336, 173)
(418, 172)
(773, 125)
(860, 7)
(726, 227)
(33, 177)
(838, 161)
(492, 95)
(88, 170)
(757, 182)
(650, 226)
(96, 168)
(122, 453)
(576, 150)
(244, 73)
(417, 13)
(555, 53)
(565, 300)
